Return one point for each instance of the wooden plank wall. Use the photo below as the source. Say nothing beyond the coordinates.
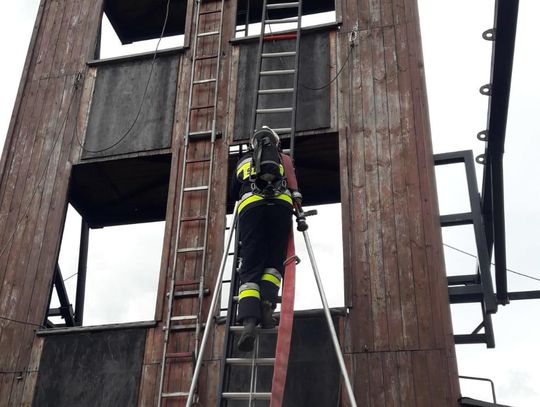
(398, 338)
(35, 167)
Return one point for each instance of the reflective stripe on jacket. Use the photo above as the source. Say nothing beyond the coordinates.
(250, 199)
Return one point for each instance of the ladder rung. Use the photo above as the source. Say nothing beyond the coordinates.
(190, 249)
(190, 293)
(202, 13)
(199, 188)
(279, 37)
(186, 327)
(178, 355)
(239, 328)
(202, 134)
(275, 91)
(246, 396)
(283, 130)
(249, 361)
(279, 54)
(175, 394)
(276, 110)
(199, 160)
(281, 5)
(187, 282)
(201, 107)
(205, 57)
(193, 218)
(208, 34)
(279, 72)
(183, 318)
(200, 81)
(282, 20)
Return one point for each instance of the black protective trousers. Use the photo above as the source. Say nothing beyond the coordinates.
(264, 232)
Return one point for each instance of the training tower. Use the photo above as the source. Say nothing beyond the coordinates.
(362, 139)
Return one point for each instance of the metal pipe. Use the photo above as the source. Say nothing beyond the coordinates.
(483, 379)
(211, 311)
(499, 239)
(329, 321)
(81, 273)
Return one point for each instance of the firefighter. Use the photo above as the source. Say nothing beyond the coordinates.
(265, 184)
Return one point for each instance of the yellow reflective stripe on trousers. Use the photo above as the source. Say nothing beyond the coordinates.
(249, 293)
(255, 198)
(272, 279)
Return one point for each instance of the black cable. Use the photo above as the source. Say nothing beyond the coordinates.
(130, 128)
(71, 276)
(22, 322)
(352, 39)
(351, 46)
(476, 257)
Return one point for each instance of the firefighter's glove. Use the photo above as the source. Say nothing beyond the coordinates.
(297, 197)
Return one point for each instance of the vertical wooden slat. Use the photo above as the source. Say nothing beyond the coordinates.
(422, 380)
(47, 52)
(374, 222)
(391, 379)
(398, 80)
(407, 393)
(390, 271)
(19, 100)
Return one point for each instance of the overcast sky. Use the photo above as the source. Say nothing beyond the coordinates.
(457, 62)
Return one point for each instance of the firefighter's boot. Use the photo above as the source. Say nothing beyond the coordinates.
(267, 320)
(247, 339)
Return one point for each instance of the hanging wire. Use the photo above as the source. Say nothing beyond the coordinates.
(143, 98)
(21, 322)
(353, 35)
(476, 257)
(71, 276)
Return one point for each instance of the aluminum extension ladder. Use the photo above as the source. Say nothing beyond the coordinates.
(188, 290)
(267, 363)
(271, 105)
(255, 362)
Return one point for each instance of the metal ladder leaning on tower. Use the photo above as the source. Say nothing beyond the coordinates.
(181, 294)
(275, 396)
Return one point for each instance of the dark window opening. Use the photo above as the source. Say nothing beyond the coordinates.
(133, 27)
(121, 205)
(314, 94)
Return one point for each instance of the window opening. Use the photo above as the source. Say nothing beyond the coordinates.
(122, 271)
(325, 233)
(245, 29)
(139, 29)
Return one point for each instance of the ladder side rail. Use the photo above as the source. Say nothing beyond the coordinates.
(328, 317)
(230, 321)
(180, 210)
(210, 179)
(258, 72)
(296, 77)
(211, 312)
